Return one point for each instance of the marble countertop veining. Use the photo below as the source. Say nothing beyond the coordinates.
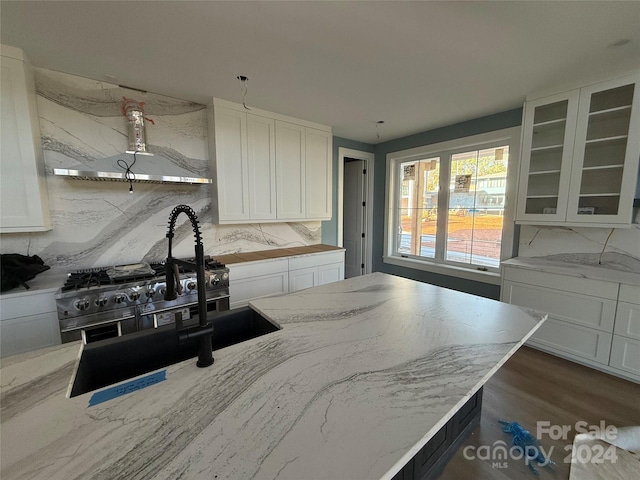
(362, 374)
(569, 264)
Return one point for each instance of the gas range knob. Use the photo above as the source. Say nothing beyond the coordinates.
(82, 304)
(191, 285)
(134, 296)
(150, 293)
(215, 280)
(225, 276)
(102, 301)
(120, 298)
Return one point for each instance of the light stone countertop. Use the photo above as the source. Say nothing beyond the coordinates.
(362, 374)
(570, 264)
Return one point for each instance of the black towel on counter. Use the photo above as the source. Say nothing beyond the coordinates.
(16, 269)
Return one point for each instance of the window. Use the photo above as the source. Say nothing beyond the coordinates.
(449, 205)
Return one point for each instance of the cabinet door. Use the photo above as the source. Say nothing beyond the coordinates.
(24, 202)
(330, 273)
(261, 161)
(577, 342)
(318, 171)
(547, 151)
(303, 278)
(290, 170)
(625, 355)
(607, 147)
(230, 152)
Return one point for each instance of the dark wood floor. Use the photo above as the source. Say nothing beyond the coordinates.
(534, 386)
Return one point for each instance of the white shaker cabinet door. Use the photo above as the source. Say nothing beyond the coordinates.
(261, 160)
(318, 171)
(24, 201)
(230, 161)
(290, 170)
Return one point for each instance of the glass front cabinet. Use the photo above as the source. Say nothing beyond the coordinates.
(580, 154)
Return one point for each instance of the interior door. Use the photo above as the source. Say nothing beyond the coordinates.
(353, 217)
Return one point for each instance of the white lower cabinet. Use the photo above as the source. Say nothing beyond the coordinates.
(28, 321)
(258, 279)
(253, 280)
(573, 340)
(590, 321)
(625, 354)
(313, 270)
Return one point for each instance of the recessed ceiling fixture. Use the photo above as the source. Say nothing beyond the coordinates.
(244, 87)
(378, 123)
(619, 43)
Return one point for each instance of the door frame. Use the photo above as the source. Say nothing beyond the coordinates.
(368, 159)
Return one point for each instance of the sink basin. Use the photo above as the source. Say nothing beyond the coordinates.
(117, 359)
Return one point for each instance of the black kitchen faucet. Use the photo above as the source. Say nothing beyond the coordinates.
(204, 330)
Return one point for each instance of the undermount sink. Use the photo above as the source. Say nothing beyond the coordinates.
(111, 361)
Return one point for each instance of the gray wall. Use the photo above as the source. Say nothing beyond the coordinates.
(511, 118)
(330, 228)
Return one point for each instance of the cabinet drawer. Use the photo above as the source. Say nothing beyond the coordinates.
(628, 320)
(625, 354)
(593, 312)
(583, 286)
(255, 269)
(305, 261)
(27, 305)
(583, 342)
(29, 333)
(243, 290)
(629, 293)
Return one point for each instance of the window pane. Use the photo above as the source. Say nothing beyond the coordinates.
(476, 206)
(418, 207)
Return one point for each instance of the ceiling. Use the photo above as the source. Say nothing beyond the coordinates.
(414, 65)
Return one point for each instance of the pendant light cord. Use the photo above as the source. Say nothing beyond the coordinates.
(128, 174)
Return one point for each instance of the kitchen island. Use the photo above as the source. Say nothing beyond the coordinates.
(362, 374)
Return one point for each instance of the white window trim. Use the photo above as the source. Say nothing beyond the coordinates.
(508, 136)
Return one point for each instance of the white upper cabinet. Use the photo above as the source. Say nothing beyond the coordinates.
(261, 148)
(24, 202)
(268, 167)
(318, 173)
(228, 151)
(290, 170)
(580, 156)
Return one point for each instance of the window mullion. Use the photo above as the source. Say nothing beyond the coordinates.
(443, 206)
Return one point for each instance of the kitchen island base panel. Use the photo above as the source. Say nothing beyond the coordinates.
(430, 461)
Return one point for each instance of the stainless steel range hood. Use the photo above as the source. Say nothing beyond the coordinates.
(136, 164)
(147, 168)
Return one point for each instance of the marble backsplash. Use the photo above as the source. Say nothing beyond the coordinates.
(618, 248)
(100, 223)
